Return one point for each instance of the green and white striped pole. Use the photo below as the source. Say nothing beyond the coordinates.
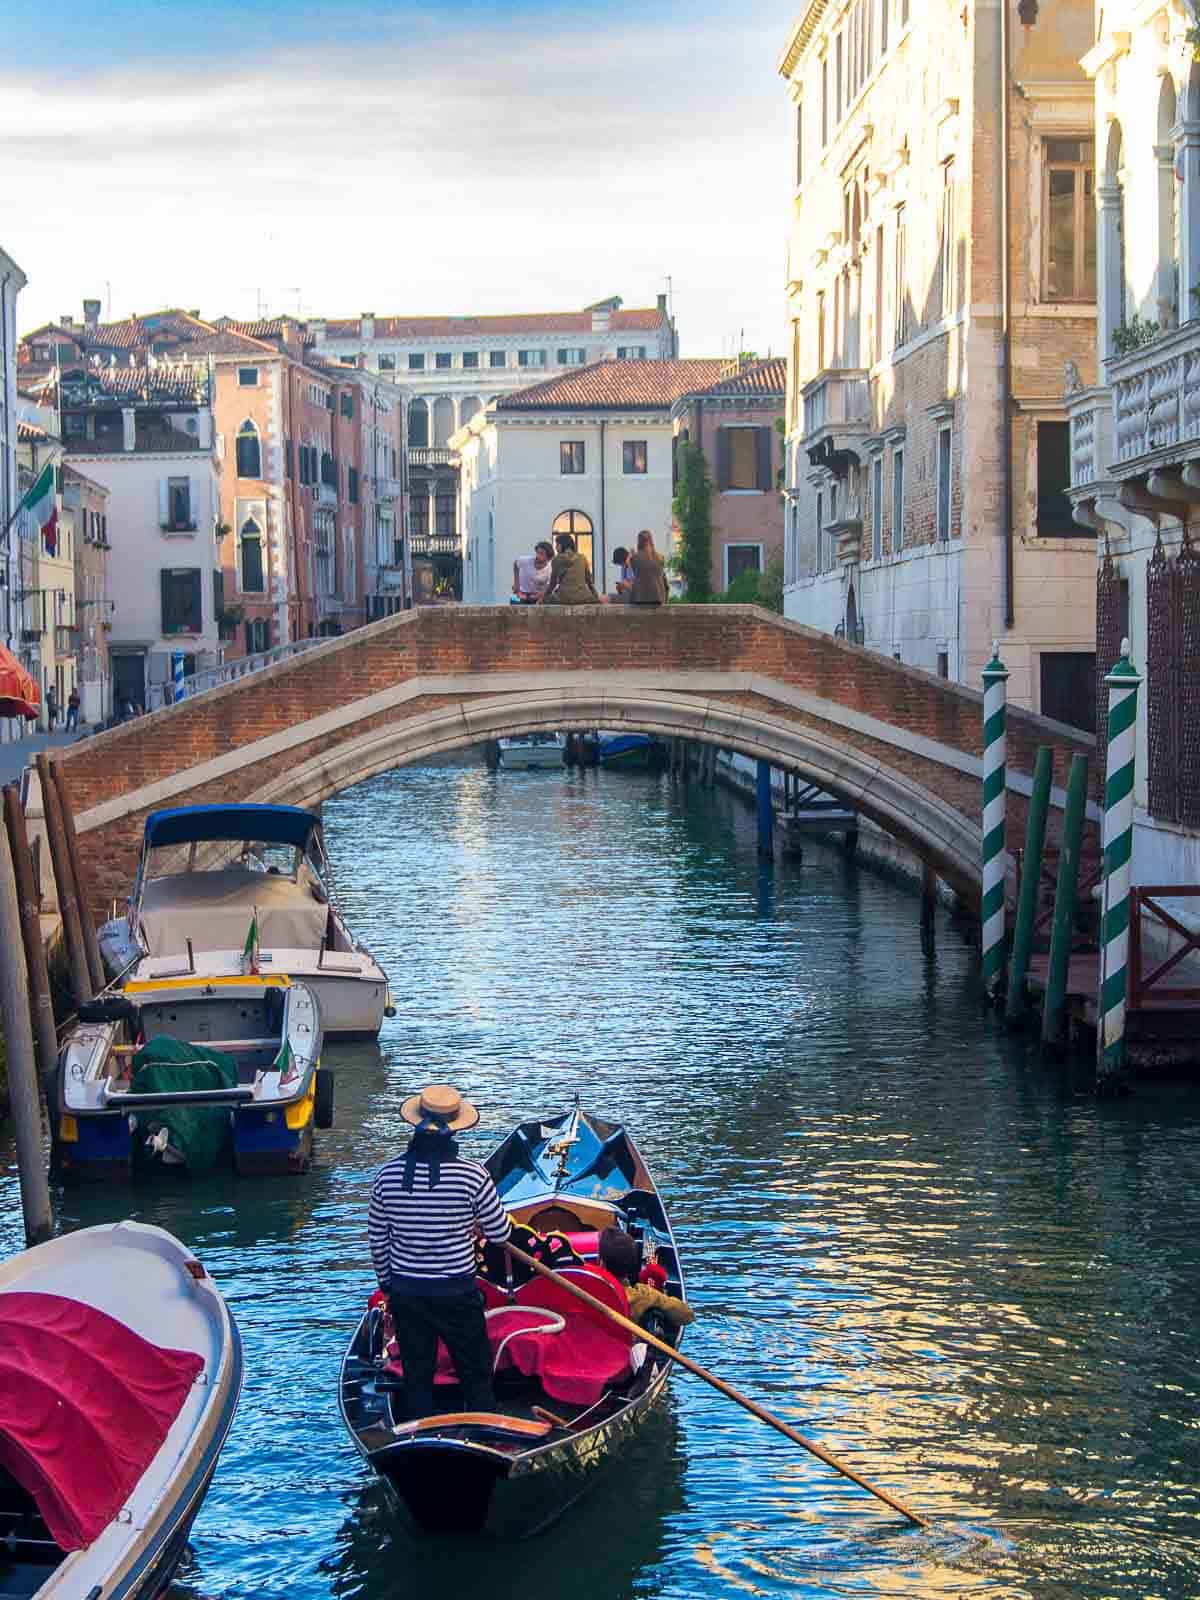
(1123, 683)
(995, 775)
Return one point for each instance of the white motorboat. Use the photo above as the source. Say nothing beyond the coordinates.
(120, 1371)
(222, 888)
(532, 750)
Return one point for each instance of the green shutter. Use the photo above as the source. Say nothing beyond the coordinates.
(722, 459)
(165, 586)
(763, 441)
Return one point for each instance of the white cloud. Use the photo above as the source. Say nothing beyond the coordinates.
(454, 170)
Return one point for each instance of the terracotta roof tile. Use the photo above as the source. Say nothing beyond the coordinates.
(532, 322)
(31, 433)
(616, 385)
(762, 378)
(163, 382)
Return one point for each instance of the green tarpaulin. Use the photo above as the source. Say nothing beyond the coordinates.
(200, 1134)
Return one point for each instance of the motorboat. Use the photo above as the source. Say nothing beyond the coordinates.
(528, 751)
(571, 1388)
(193, 1072)
(629, 752)
(220, 887)
(120, 1371)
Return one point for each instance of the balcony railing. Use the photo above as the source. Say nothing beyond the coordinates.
(1090, 411)
(327, 494)
(421, 455)
(1156, 401)
(837, 399)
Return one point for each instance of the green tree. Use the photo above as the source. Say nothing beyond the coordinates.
(693, 516)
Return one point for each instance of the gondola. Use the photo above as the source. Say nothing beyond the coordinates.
(571, 1389)
(120, 1371)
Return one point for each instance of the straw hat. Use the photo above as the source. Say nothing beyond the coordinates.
(443, 1104)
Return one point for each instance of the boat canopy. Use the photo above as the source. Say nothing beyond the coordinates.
(85, 1405)
(288, 825)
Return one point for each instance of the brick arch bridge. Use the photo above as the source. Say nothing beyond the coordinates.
(900, 745)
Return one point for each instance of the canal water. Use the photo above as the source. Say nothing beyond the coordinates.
(973, 1281)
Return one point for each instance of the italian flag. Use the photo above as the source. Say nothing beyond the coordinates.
(41, 502)
(250, 948)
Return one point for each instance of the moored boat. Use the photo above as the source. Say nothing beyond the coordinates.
(530, 751)
(629, 752)
(193, 1072)
(571, 1389)
(120, 1371)
(220, 887)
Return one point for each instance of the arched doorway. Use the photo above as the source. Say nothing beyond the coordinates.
(579, 525)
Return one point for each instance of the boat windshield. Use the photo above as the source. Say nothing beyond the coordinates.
(280, 860)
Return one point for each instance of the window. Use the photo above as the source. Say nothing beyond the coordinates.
(250, 541)
(287, 457)
(443, 360)
(418, 514)
(837, 82)
(575, 356)
(824, 103)
(531, 358)
(347, 405)
(416, 363)
(247, 377)
(418, 425)
(884, 8)
(897, 501)
(179, 506)
(443, 515)
(740, 558)
(831, 541)
(1069, 688)
(631, 352)
(1069, 220)
(249, 451)
(353, 485)
(943, 667)
(579, 525)
(497, 358)
(820, 532)
(570, 457)
(799, 143)
(821, 331)
(877, 509)
(1054, 518)
(900, 286)
(743, 459)
(181, 601)
(879, 292)
(948, 245)
(943, 483)
(387, 363)
(633, 456)
(470, 359)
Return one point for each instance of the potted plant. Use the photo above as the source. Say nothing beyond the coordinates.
(228, 618)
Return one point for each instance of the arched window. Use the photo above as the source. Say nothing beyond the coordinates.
(1166, 312)
(249, 451)
(443, 421)
(1112, 236)
(251, 557)
(579, 525)
(261, 638)
(467, 409)
(418, 424)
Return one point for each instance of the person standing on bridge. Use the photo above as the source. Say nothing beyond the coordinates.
(425, 1208)
(570, 577)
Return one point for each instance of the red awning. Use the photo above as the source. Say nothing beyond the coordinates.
(18, 692)
(85, 1404)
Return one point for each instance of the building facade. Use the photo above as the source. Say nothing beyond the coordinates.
(1135, 430)
(46, 596)
(589, 454)
(452, 368)
(737, 423)
(85, 507)
(941, 274)
(12, 281)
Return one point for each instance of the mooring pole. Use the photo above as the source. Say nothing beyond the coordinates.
(1054, 1004)
(22, 1069)
(31, 933)
(1031, 882)
(766, 811)
(995, 776)
(64, 878)
(87, 922)
(1123, 684)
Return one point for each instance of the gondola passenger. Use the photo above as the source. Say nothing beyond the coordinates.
(619, 1255)
(426, 1206)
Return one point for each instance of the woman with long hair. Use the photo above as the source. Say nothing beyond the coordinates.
(649, 587)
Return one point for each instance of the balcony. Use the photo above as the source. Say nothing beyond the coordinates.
(1156, 404)
(66, 640)
(421, 455)
(837, 418)
(387, 488)
(327, 494)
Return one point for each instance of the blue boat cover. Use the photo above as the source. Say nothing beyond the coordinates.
(260, 824)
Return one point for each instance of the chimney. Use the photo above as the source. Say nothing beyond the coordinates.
(366, 326)
(662, 304)
(601, 319)
(91, 313)
(66, 320)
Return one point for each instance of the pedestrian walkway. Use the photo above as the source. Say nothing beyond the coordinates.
(15, 757)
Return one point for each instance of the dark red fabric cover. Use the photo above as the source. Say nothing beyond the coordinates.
(85, 1404)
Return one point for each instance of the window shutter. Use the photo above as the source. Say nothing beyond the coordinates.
(196, 603)
(193, 499)
(164, 578)
(764, 457)
(722, 459)
(164, 503)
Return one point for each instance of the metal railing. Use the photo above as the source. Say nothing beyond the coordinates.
(1144, 902)
(837, 399)
(421, 455)
(231, 671)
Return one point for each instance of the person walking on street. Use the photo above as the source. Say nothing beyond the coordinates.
(649, 587)
(51, 707)
(570, 577)
(425, 1208)
(73, 710)
(531, 575)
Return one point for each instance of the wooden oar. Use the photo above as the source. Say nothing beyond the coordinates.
(721, 1386)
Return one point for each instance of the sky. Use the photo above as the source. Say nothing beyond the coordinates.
(330, 159)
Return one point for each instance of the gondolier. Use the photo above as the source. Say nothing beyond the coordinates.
(426, 1206)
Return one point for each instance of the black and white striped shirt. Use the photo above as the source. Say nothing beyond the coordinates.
(424, 1241)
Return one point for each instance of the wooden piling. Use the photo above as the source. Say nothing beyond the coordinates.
(1054, 1004)
(928, 906)
(22, 1068)
(64, 878)
(766, 810)
(1031, 881)
(37, 973)
(83, 886)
